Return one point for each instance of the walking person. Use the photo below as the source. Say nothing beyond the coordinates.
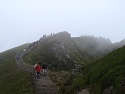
(44, 66)
(38, 69)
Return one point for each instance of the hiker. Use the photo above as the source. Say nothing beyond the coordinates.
(17, 58)
(24, 49)
(38, 69)
(44, 68)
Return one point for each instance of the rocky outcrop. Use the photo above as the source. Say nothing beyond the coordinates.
(108, 90)
(84, 91)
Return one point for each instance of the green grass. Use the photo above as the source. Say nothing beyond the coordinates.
(101, 74)
(12, 80)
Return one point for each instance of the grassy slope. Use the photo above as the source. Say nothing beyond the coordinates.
(101, 74)
(13, 81)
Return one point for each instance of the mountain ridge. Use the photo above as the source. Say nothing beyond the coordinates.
(62, 48)
(62, 52)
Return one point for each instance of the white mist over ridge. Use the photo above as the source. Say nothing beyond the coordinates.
(24, 21)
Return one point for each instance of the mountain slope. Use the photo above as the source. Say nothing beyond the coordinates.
(93, 46)
(102, 76)
(12, 80)
(63, 52)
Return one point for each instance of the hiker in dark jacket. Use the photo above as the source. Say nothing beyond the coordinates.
(44, 66)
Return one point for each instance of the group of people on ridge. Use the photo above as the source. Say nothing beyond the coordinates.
(40, 69)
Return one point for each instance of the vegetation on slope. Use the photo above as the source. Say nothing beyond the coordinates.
(12, 80)
(100, 75)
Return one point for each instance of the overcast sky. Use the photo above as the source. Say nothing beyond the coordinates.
(24, 21)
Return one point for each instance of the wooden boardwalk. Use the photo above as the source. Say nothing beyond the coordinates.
(44, 85)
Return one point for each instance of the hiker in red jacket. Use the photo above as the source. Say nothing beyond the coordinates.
(38, 69)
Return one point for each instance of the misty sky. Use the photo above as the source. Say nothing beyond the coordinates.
(24, 21)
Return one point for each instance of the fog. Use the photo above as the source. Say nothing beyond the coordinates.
(24, 21)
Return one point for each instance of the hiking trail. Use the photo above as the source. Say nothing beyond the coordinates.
(43, 85)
